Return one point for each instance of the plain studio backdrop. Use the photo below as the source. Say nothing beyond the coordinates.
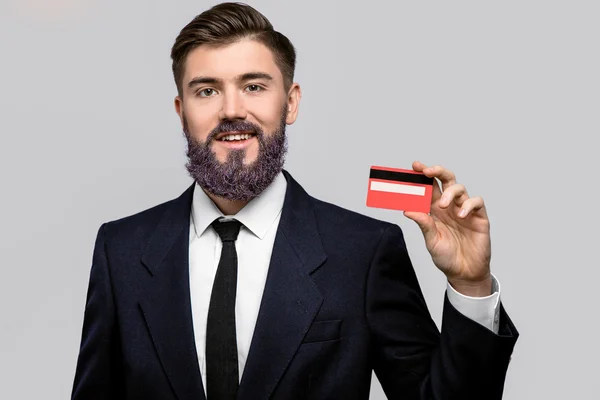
(505, 94)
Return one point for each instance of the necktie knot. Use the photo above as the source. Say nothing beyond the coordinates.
(228, 231)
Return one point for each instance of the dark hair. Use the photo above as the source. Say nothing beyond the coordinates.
(227, 23)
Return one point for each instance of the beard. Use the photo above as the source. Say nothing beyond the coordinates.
(232, 180)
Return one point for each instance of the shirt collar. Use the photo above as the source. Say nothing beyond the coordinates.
(258, 215)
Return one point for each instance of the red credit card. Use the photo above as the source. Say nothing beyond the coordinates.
(399, 189)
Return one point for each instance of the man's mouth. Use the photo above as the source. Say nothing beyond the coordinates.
(236, 136)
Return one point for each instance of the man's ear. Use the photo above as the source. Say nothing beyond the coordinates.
(293, 103)
(179, 108)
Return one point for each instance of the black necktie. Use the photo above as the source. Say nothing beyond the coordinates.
(222, 375)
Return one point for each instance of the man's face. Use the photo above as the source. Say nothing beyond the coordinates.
(236, 82)
(235, 92)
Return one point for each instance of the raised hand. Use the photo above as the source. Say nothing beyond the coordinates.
(457, 233)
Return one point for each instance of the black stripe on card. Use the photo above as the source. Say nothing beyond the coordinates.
(400, 177)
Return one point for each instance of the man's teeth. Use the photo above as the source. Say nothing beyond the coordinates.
(236, 137)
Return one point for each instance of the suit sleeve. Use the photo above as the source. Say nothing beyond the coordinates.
(411, 359)
(98, 373)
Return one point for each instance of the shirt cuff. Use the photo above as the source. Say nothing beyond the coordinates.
(483, 310)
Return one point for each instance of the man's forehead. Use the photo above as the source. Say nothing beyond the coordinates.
(230, 61)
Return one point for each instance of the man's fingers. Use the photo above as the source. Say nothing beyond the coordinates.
(418, 166)
(457, 193)
(471, 205)
(445, 176)
(437, 192)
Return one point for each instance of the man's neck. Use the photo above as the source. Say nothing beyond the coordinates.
(227, 207)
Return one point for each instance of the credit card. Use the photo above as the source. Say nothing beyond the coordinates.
(399, 189)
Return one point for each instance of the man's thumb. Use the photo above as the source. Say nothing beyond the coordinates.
(425, 222)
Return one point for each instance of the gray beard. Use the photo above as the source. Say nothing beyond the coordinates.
(232, 180)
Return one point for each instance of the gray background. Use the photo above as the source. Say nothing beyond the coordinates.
(505, 94)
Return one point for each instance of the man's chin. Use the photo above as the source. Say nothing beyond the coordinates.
(246, 162)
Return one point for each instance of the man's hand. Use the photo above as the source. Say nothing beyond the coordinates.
(457, 233)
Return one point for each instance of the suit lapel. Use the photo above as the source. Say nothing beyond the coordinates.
(291, 299)
(166, 304)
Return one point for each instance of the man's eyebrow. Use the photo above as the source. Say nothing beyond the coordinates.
(203, 79)
(240, 78)
(254, 75)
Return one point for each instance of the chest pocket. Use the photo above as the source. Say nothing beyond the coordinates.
(323, 331)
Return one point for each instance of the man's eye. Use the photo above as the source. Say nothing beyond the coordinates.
(206, 92)
(254, 88)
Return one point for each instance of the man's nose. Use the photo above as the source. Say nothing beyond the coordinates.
(233, 107)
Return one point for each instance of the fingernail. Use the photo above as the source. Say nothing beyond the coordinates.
(462, 213)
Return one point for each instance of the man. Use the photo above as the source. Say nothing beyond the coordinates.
(246, 287)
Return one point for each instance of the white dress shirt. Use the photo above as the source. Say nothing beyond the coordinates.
(260, 219)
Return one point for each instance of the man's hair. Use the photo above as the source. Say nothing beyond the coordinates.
(227, 23)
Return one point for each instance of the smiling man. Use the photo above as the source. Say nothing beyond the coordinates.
(234, 106)
(246, 287)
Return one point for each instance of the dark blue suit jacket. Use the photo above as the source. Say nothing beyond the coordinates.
(341, 299)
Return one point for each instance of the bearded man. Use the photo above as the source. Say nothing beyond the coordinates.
(245, 287)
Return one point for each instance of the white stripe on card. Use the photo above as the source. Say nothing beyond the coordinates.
(397, 188)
